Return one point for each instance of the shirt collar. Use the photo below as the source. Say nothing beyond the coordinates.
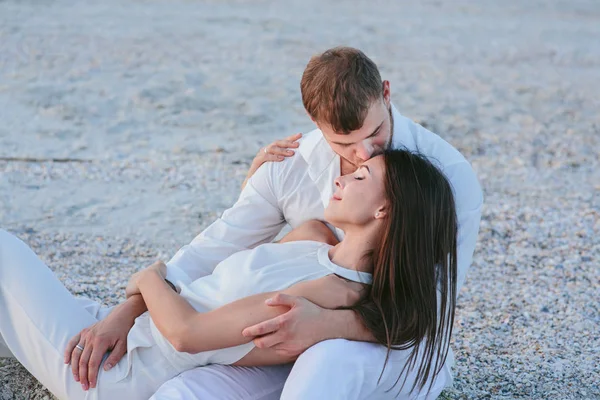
(403, 131)
(324, 164)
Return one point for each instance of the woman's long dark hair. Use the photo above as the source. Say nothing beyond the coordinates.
(412, 300)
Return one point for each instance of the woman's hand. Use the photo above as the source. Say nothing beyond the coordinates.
(132, 288)
(276, 151)
(107, 335)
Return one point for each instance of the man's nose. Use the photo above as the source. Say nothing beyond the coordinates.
(364, 150)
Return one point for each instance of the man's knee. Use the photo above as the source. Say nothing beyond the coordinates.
(329, 351)
(328, 369)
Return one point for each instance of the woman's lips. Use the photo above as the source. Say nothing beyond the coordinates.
(335, 197)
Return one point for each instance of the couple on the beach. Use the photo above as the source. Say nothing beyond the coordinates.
(356, 302)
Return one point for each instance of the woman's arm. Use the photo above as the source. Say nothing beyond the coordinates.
(193, 332)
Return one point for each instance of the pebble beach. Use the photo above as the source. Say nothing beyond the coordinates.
(128, 127)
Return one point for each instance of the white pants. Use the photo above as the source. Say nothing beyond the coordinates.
(333, 369)
(38, 316)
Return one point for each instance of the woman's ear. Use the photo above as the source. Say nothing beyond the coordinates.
(381, 212)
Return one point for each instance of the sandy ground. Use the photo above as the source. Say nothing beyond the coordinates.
(161, 105)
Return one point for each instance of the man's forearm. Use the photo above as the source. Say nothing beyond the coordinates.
(345, 324)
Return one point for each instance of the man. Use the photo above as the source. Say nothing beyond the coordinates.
(344, 95)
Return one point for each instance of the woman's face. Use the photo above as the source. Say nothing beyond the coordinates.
(358, 196)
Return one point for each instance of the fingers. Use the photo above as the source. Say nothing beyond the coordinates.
(286, 351)
(273, 324)
(285, 144)
(98, 352)
(281, 299)
(272, 157)
(115, 355)
(276, 150)
(264, 328)
(294, 137)
(75, 356)
(70, 347)
(83, 365)
(268, 340)
(281, 148)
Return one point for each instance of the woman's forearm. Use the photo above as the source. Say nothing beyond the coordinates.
(192, 332)
(222, 327)
(133, 306)
(169, 311)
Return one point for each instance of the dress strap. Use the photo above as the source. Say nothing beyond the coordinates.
(350, 274)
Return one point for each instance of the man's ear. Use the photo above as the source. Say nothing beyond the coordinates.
(387, 94)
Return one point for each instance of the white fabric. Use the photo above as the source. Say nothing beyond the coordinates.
(226, 382)
(297, 190)
(334, 370)
(266, 268)
(38, 316)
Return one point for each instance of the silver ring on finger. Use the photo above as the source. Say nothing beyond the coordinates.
(79, 347)
(265, 150)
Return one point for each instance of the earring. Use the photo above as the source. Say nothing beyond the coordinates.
(377, 214)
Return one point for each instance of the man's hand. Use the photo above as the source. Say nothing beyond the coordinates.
(290, 334)
(110, 334)
(276, 151)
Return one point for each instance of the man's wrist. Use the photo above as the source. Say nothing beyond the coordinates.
(345, 324)
(333, 324)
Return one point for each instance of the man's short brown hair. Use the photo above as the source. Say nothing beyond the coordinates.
(339, 86)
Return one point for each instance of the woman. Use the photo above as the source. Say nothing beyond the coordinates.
(398, 254)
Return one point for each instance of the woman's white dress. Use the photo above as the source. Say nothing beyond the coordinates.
(38, 315)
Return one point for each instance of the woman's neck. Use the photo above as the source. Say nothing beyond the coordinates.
(351, 251)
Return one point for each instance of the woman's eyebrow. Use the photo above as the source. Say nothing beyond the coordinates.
(365, 166)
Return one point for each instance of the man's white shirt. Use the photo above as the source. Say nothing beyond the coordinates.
(299, 188)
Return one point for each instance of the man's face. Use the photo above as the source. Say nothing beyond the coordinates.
(373, 137)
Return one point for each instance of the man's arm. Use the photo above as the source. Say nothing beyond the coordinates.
(275, 152)
(304, 325)
(254, 219)
(193, 332)
(298, 329)
(468, 198)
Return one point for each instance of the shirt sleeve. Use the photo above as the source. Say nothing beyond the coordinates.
(254, 219)
(469, 200)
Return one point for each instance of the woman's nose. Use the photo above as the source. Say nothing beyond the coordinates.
(338, 182)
